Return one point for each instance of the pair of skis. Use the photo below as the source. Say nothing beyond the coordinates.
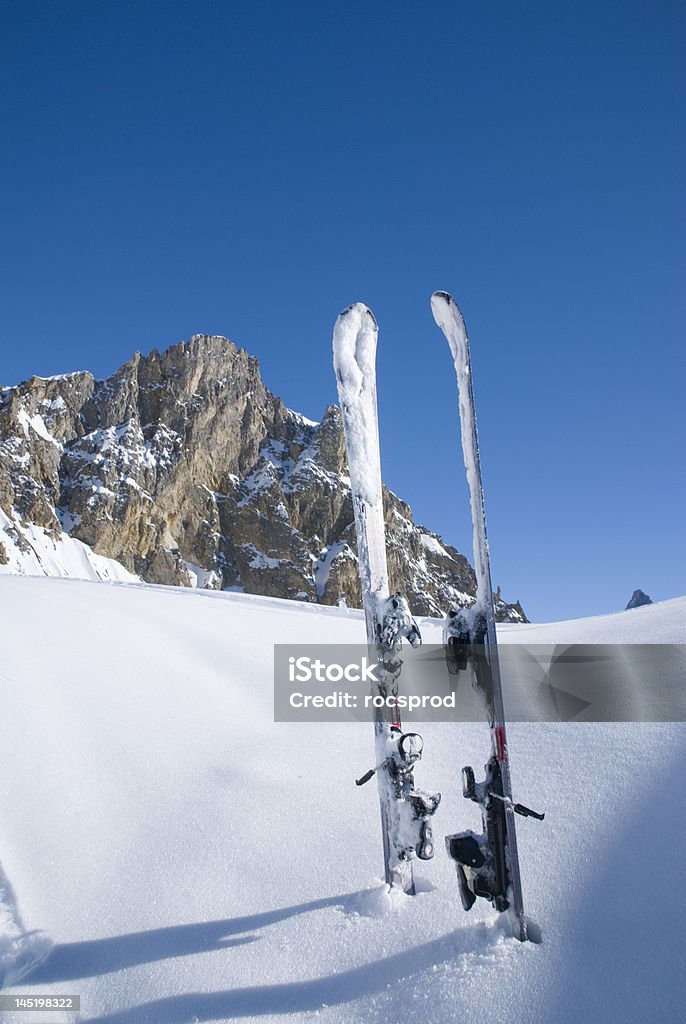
(487, 864)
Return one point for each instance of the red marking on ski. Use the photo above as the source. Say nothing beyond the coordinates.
(500, 744)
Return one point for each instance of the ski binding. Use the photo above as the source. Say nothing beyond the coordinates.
(481, 859)
(405, 750)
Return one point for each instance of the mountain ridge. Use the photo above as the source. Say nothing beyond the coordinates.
(183, 468)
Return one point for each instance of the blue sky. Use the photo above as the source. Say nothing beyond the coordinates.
(249, 168)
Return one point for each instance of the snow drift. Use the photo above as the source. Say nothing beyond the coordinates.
(193, 861)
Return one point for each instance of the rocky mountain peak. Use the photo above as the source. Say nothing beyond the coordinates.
(185, 469)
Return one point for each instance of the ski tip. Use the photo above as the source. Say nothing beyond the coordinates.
(442, 305)
(360, 311)
(355, 336)
(448, 317)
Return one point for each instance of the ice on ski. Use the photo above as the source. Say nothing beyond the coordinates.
(354, 346)
(449, 319)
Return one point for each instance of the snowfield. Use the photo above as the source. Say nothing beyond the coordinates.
(191, 860)
(32, 551)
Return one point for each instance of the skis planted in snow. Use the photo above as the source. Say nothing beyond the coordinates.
(405, 812)
(487, 864)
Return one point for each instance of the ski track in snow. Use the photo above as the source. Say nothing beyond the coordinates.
(194, 861)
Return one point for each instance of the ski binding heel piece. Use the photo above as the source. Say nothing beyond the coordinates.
(475, 876)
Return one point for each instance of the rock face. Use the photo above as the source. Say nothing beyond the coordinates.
(638, 599)
(185, 469)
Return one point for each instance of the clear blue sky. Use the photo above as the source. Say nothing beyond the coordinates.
(249, 168)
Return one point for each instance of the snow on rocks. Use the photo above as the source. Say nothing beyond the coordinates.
(30, 550)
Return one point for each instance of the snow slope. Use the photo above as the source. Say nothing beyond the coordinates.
(32, 551)
(194, 861)
(661, 623)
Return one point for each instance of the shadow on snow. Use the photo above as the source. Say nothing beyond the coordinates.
(71, 960)
(299, 996)
(75, 960)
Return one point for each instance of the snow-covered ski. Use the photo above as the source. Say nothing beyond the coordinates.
(487, 864)
(405, 812)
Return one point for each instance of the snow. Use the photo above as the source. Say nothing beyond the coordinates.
(55, 405)
(261, 479)
(260, 560)
(32, 551)
(302, 420)
(125, 445)
(68, 520)
(57, 376)
(431, 544)
(202, 578)
(63, 376)
(194, 861)
(322, 567)
(661, 623)
(38, 424)
(449, 318)
(354, 355)
(277, 466)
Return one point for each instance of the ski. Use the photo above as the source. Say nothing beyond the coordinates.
(405, 811)
(487, 864)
